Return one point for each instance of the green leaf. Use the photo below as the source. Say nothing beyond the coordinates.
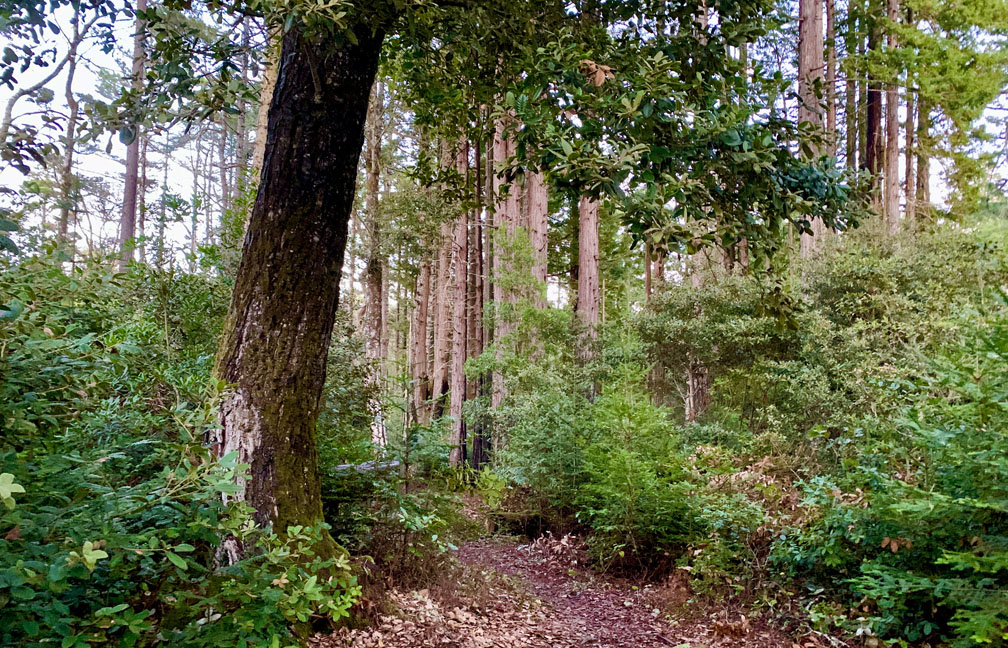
(8, 487)
(176, 560)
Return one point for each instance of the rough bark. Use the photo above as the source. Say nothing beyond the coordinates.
(374, 277)
(266, 88)
(127, 221)
(537, 221)
(831, 100)
(851, 91)
(442, 322)
(418, 345)
(810, 78)
(460, 252)
(503, 214)
(588, 262)
(275, 344)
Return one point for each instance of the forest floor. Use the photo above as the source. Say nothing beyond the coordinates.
(539, 595)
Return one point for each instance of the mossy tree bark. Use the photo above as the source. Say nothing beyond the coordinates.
(275, 345)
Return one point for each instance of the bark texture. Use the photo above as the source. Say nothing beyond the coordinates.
(810, 79)
(276, 339)
(892, 197)
(588, 262)
(460, 250)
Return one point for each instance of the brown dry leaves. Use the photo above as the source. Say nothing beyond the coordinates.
(537, 596)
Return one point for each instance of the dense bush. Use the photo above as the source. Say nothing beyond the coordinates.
(919, 527)
(113, 516)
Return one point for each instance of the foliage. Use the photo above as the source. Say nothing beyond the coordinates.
(115, 516)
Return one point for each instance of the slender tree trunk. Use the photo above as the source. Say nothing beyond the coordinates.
(831, 100)
(142, 200)
(873, 160)
(588, 263)
(892, 138)
(851, 91)
(910, 184)
(418, 349)
(460, 249)
(477, 284)
(810, 79)
(275, 345)
(647, 271)
(374, 278)
(127, 223)
(68, 202)
(241, 130)
(503, 214)
(266, 88)
(923, 154)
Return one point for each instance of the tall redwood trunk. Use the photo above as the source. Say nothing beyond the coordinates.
(831, 100)
(460, 252)
(810, 77)
(588, 262)
(505, 218)
(851, 91)
(475, 334)
(127, 221)
(442, 322)
(538, 223)
(275, 344)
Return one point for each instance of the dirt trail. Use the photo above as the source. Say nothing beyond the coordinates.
(537, 596)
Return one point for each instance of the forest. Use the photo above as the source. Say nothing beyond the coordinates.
(500, 323)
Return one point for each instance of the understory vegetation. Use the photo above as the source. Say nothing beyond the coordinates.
(850, 474)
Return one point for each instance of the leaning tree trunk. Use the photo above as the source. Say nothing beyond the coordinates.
(275, 345)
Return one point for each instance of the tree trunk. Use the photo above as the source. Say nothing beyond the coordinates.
(810, 77)
(697, 391)
(127, 222)
(831, 101)
(275, 344)
(923, 154)
(892, 138)
(442, 322)
(873, 128)
(588, 263)
(910, 184)
(68, 202)
(460, 248)
(266, 88)
(502, 215)
(538, 223)
(142, 201)
(418, 345)
(851, 91)
(374, 279)
(475, 335)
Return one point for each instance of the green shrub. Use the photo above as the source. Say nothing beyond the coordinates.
(920, 529)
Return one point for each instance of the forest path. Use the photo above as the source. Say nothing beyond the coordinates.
(537, 596)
